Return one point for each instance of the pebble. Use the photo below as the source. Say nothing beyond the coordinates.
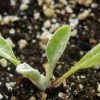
(3, 62)
(48, 12)
(69, 9)
(82, 76)
(13, 2)
(12, 31)
(62, 95)
(94, 5)
(1, 96)
(73, 22)
(85, 2)
(10, 85)
(47, 24)
(23, 7)
(25, 1)
(44, 39)
(22, 44)
(74, 33)
(98, 94)
(98, 88)
(9, 19)
(36, 15)
(80, 86)
(84, 15)
(32, 98)
(63, 2)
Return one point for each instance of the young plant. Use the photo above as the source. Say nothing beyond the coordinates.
(54, 50)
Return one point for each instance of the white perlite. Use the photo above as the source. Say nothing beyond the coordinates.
(10, 85)
(1, 96)
(36, 15)
(23, 7)
(22, 44)
(98, 88)
(73, 22)
(12, 31)
(3, 62)
(47, 24)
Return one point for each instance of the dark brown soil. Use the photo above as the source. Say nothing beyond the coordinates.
(33, 54)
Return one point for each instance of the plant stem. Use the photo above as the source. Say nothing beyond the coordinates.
(63, 77)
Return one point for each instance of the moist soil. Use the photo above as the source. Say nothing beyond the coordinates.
(83, 85)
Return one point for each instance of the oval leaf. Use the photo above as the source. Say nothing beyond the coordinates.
(91, 58)
(57, 45)
(6, 51)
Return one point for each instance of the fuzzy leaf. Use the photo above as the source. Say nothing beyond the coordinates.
(92, 58)
(33, 74)
(93, 61)
(6, 51)
(57, 45)
(28, 71)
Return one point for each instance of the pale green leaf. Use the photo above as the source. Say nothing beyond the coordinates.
(33, 74)
(92, 58)
(57, 45)
(6, 51)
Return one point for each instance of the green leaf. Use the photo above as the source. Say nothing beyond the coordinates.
(93, 61)
(57, 45)
(28, 71)
(33, 74)
(92, 58)
(6, 52)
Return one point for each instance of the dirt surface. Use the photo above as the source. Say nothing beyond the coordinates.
(23, 24)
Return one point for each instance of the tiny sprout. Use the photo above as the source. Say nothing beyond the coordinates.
(55, 48)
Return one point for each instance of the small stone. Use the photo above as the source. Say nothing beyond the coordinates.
(80, 86)
(98, 88)
(32, 98)
(6, 20)
(73, 22)
(36, 15)
(63, 2)
(82, 76)
(98, 94)
(69, 9)
(22, 44)
(10, 85)
(3, 62)
(54, 27)
(92, 41)
(0, 18)
(25, 1)
(49, 12)
(44, 39)
(74, 33)
(23, 7)
(1, 96)
(63, 95)
(94, 5)
(12, 31)
(13, 2)
(84, 15)
(47, 24)
(85, 2)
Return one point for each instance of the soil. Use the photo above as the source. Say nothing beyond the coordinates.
(83, 85)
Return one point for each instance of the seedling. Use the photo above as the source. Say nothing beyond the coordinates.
(54, 50)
